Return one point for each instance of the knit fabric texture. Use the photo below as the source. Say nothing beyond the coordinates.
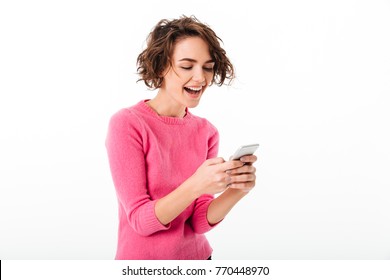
(150, 156)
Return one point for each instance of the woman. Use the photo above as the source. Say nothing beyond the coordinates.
(163, 159)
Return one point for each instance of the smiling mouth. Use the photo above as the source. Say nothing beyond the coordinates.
(193, 90)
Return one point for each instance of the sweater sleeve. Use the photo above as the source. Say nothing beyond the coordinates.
(199, 220)
(127, 163)
(213, 143)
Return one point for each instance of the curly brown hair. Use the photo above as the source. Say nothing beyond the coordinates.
(155, 59)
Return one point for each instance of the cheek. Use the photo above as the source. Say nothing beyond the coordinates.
(209, 77)
(174, 81)
(181, 77)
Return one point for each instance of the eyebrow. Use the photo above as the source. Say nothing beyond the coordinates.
(194, 60)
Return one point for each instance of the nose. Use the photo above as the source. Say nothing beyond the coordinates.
(199, 77)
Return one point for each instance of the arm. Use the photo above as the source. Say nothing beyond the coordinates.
(126, 158)
(169, 207)
(222, 205)
(243, 179)
(172, 205)
(124, 144)
(240, 180)
(209, 179)
(143, 214)
(208, 211)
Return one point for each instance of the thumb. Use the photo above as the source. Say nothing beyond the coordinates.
(213, 161)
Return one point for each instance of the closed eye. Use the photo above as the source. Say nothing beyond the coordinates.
(208, 69)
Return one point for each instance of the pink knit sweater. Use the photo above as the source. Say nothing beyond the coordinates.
(150, 156)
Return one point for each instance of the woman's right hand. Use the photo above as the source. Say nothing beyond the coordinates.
(211, 176)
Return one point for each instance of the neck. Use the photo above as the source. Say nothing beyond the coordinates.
(165, 106)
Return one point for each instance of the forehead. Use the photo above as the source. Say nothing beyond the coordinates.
(192, 47)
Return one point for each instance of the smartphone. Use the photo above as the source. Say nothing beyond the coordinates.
(244, 151)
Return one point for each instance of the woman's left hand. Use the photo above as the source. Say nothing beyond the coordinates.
(243, 178)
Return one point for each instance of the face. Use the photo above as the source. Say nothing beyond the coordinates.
(190, 74)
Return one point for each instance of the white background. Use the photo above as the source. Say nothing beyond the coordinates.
(312, 89)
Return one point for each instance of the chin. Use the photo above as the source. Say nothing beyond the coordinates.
(192, 102)
(193, 105)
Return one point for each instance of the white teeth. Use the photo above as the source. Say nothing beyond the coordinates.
(194, 88)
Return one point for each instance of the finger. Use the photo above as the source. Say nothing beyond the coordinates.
(247, 168)
(222, 178)
(243, 178)
(231, 164)
(249, 159)
(214, 161)
(242, 186)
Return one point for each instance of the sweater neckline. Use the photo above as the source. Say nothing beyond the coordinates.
(165, 119)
